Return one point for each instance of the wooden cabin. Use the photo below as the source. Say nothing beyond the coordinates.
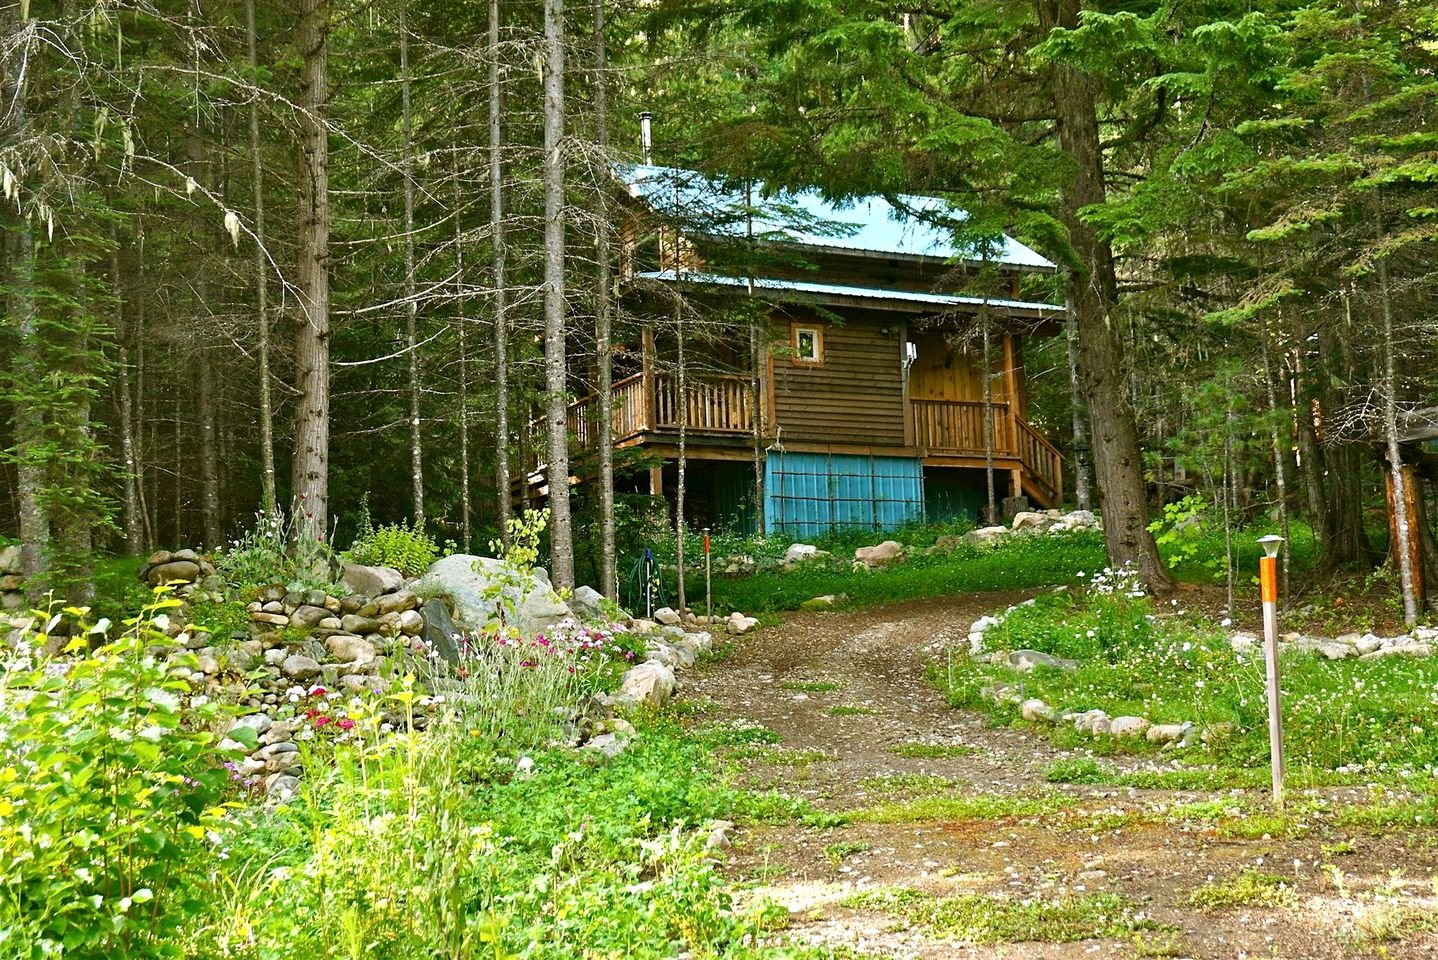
(831, 359)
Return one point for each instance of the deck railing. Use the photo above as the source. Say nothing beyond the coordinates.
(717, 405)
(957, 428)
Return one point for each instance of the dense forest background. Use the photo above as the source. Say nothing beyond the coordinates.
(329, 257)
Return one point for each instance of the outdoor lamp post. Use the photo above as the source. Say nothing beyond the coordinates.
(1268, 580)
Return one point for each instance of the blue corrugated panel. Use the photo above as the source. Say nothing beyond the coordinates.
(806, 494)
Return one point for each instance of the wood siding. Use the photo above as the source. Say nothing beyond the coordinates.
(855, 396)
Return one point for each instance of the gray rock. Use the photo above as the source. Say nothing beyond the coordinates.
(985, 536)
(299, 667)
(1167, 732)
(721, 835)
(880, 554)
(799, 552)
(411, 624)
(826, 602)
(12, 601)
(309, 616)
(663, 653)
(586, 602)
(397, 602)
(1078, 520)
(1084, 722)
(1031, 522)
(649, 683)
(1404, 650)
(667, 616)
(350, 649)
(371, 581)
(1026, 661)
(10, 560)
(607, 744)
(183, 571)
(354, 623)
(1036, 711)
(1128, 726)
(737, 625)
(275, 656)
(258, 722)
(439, 630)
(282, 786)
(1367, 643)
(1334, 650)
(1244, 644)
(463, 581)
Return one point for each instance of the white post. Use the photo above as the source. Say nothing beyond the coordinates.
(1268, 579)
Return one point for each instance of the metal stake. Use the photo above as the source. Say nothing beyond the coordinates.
(708, 581)
(1268, 578)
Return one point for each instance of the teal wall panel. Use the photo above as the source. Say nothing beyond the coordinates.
(806, 494)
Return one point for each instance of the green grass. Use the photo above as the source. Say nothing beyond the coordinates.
(849, 710)
(1247, 888)
(1086, 770)
(1018, 563)
(733, 734)
(957, 808)
(810, 686)
(778, 756)
(994, 918)
(932, 751)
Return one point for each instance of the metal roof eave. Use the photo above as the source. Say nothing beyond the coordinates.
(1008, 266)
(893, 301)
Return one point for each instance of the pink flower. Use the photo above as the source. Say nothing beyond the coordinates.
(322, 721)
(345, 724)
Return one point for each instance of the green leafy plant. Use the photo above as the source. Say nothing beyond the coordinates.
(407, 549)
(112, 794)
(278, 549)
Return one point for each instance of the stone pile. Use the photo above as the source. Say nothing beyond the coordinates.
(181, 568)
(12, 583)
(1028, 523)
(1421, 642)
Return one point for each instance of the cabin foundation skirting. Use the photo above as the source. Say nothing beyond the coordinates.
(806, 494)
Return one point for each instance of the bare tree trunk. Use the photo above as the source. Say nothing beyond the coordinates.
(1101, 352)
(1280, 452)
(209, 457)
(411, 308)
(310, 475)
(556, 399)
(681, 486)
(268, 497)
(134, 520)
(603, 320)
(29, 421)
(1395, 456)
(756, 364)
(501, 313)
(1083, 469)
(466, 505)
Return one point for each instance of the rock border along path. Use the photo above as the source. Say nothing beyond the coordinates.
(877, 658)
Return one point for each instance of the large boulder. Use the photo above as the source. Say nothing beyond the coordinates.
(371, 581)
(1031, 522)
(985, 536)
(586, 601)
(650, 683)
(439, 630)
(481, 592)
(183, 571)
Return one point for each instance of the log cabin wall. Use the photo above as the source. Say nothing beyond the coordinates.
(855, 395)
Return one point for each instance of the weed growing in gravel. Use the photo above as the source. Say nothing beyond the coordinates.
(992, 918)
(932, 751)
(810, 686)
(837, 853)
(905, 783)
(778, 756)
(971, 807)
(1086, 770)
(848, 710)
(1247, 888)
(735, 734)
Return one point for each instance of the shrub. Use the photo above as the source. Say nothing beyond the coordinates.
(407, 549)
(277, 550)
(111, 796)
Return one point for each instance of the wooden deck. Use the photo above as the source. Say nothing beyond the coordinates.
(720, 410)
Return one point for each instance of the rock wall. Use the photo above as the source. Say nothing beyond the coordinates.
(12, 583)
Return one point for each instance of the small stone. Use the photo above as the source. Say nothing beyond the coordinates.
(207, 664)
(721, 833)
(879, 555)
(11, 582)
(271, 619)
(1334, 650)
(1036, 711)
(396, 602)
(354, 623)
(1128, 726)
(826, 602)
(649, 683)
(1167, 732)
(1031, 522)
(309, 615)
(667, 616)
(282, 786)
(1367, 643)
(333, 605)
(738, 625)
(641, 626)
(347, 648)
(275, 656)
(608, 745)
(411, 624)
(299, 667)
(986, 536)
(1405, 650)
(371, 581)
(1026, 661)
(1090, 876)
(10, 560)
(274, 606)
(799, 552)
(183, 571)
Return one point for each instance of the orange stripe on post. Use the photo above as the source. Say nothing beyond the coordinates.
(1268, 578)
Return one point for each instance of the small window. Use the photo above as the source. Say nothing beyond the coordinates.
(808, 345)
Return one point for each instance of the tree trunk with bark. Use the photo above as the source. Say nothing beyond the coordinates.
(268, 496)
(603, 319)
(556, 395)
(411, 307)
(1118, 461)
(501, 306)
(310, 473)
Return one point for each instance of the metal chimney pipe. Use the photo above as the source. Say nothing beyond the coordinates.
(646, 136)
